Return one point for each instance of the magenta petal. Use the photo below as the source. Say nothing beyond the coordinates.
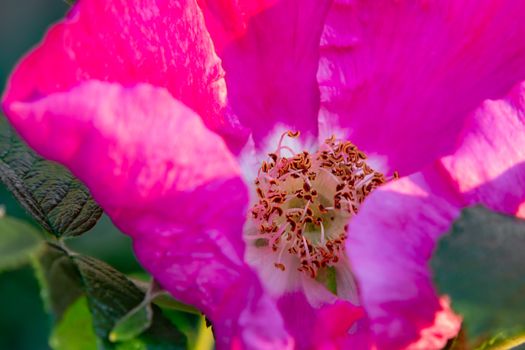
(340, 326)
(131, 42)
(270, 52)
(489, 165)
(390, 242)
(401, 76)
(198, 266)
(334, 326)
(392, 238)
(168, 182)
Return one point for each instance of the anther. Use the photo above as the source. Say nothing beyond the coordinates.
(280, 266)
(305, 200)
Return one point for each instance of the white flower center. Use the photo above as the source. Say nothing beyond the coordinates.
(305, 202)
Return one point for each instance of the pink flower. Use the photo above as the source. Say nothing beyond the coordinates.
(133, 98)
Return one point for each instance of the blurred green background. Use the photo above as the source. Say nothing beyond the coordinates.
(24, 324)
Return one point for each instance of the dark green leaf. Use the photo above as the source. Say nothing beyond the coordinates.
(189, 324)
(19, 241)
(481, 265)
(56, 199)
(75, 330)
(111, 296)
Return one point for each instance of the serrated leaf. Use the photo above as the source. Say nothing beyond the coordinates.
(132, 324)
(104, 285)
(19, 241)
(111, 296)
(54, 197)
(75, 330)
(481, 265)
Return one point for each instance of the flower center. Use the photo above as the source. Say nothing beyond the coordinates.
(305, 201)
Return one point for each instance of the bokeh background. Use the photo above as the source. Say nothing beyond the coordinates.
(24, 324)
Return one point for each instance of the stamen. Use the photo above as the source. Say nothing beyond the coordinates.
(305, 210)
(278, 150)
(330, 174)
(281, 255)
(308, 256)
(291, 134)
(305, 201)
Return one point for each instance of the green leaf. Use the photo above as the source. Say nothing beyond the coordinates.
(135, 344)
(165, 301)
(59, 202)
(75, 330)
(60, 280)
(105, 285)
(19, 241)
(110, 295)
(481, 265)
(133, 324)
(187, 323)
